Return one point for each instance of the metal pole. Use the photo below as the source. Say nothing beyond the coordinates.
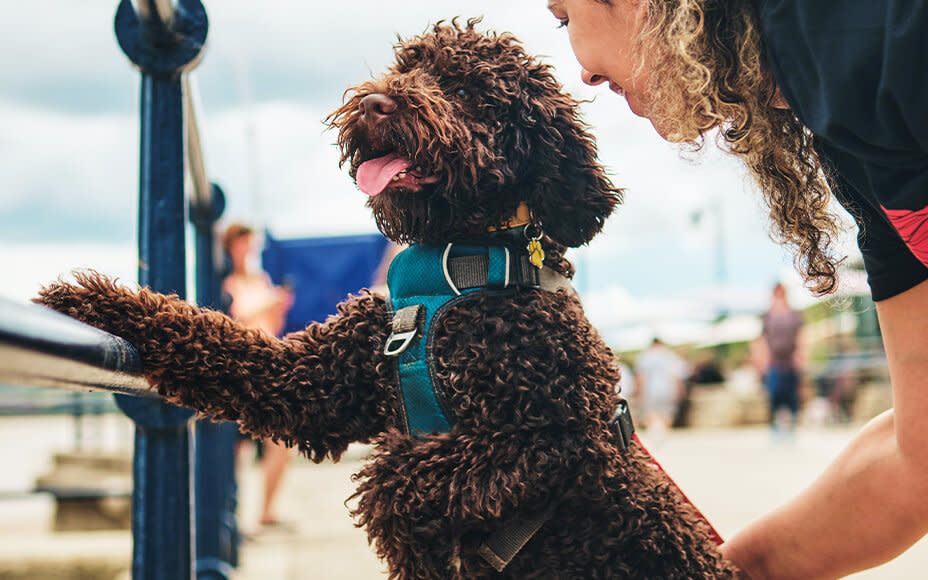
(216, 530)
(161, 508)
(77, 400)
(721, 260)
(721, 276)
(160, 10)
(162, 45)
(202, 189)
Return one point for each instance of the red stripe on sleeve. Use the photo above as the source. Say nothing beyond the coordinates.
(912, 226)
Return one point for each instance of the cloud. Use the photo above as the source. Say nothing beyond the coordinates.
(59, 168)
(69, 144)
(33, 265)
(292, 50)
(279, 167)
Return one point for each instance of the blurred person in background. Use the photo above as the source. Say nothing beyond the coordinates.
(659, 387)
(258, 303)
(626, 386)
(705, 373)
(783, 358)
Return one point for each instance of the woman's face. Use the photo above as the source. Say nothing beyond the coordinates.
(242, 249)
(603, 37)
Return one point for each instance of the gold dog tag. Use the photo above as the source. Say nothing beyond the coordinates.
(536, 255)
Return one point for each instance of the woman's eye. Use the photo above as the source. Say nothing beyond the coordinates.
(462, 93)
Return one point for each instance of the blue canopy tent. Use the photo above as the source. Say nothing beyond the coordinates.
(321, 271)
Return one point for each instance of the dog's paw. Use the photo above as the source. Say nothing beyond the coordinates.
(91, 298)
(74, 299)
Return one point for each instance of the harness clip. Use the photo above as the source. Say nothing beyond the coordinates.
(625, 428)
(406, 324)
(397, 343)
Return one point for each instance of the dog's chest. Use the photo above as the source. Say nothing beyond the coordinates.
(426, 282)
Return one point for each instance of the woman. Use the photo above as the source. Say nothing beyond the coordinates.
(258, 303)
(815, 97)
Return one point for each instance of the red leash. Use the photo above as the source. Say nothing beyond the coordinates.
(713, 534)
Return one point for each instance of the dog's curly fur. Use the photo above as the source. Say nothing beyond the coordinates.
(528, 379)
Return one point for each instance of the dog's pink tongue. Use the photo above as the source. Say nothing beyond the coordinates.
(374, 175)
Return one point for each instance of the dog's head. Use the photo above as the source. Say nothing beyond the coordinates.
(463, 128)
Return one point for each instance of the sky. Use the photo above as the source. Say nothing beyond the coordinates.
(271, 72)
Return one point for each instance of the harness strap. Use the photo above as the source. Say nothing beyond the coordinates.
(424, 282)
(469, 272)
(501, 546)
(474, 272)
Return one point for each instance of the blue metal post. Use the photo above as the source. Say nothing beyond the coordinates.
(162, 499)
(216, 530)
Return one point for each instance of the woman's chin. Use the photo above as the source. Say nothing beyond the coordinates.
(665, 129)
(662, 126)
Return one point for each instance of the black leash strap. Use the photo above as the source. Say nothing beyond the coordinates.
(501, 546)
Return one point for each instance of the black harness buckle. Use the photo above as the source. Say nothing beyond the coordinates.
(622, 421)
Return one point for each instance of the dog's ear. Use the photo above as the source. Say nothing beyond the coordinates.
(569, 191)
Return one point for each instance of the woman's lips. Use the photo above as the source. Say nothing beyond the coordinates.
(615, 88)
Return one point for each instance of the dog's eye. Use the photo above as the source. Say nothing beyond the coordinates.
(462, 93)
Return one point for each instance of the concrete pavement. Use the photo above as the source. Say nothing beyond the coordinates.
(732, 475)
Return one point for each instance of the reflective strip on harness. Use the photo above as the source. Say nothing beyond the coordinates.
(474, 271)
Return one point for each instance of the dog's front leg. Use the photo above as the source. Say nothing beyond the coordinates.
(321, 388)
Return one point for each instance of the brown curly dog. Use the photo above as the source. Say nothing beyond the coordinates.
(463, 129)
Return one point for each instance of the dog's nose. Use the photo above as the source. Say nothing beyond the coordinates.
(375, 108)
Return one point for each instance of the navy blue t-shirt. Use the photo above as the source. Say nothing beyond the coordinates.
(855, 72)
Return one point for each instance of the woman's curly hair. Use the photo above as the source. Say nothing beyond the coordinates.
(714, 73)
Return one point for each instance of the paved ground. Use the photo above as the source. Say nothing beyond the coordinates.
(733, 476)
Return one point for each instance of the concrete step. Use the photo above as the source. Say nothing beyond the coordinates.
(66, 556)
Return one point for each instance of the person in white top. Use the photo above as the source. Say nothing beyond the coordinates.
(258, 303)
(660, 386)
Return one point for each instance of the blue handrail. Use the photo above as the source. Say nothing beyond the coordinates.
(41, 347)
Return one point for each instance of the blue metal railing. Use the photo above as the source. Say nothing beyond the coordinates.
(44, 348)
(183, 513)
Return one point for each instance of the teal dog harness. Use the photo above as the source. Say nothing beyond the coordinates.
(424, 282)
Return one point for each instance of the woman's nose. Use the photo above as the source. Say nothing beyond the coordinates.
(592, 79)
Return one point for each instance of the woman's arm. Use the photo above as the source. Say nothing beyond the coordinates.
(321, 388)
(870, 504)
